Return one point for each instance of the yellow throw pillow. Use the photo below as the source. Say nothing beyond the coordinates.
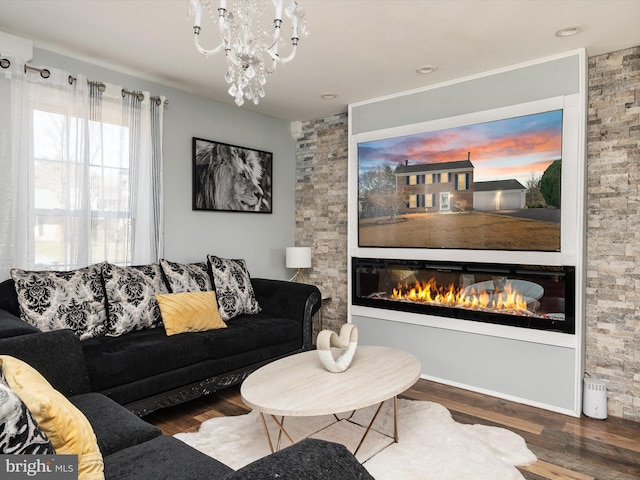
(189, 312)
(68, 429)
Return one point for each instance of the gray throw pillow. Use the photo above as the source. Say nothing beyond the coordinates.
(131, 302)
(187, 277)
(233, 287)
(19, 431)
(51, 300)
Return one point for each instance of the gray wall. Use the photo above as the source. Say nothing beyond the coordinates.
(540, 373)
(190, 235)
(536, 82)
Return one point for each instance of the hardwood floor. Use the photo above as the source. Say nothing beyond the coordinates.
(567, 448)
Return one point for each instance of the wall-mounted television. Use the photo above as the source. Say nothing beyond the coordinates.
(489, 185)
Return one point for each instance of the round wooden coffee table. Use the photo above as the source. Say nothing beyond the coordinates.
(299, 386)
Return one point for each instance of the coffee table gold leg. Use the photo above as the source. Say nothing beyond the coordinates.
(395, 419)
(266, 431)
(366, 432)
(280, 424)
(280, 430)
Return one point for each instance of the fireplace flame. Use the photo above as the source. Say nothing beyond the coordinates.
(470, 298)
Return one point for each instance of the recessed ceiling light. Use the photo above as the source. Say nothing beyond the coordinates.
(425, 69)
(569, 31)
(329, 96)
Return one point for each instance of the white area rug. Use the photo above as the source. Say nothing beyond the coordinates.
(432, 445)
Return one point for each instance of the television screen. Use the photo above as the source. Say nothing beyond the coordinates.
(488, 186)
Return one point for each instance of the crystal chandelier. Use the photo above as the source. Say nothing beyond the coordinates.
(247, 41)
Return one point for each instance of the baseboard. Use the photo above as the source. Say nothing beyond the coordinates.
(504, 396)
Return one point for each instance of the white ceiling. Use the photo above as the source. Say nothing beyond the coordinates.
(357, 49)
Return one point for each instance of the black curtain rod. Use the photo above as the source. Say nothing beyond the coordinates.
(45, 73)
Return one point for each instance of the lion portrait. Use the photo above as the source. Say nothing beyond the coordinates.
(230, 178)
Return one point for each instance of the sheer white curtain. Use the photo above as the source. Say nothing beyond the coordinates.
(80, 172)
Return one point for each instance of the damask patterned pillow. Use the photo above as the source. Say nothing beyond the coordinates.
(233, 287)
(131, 302)
(51, 300)
(19, 432)
(189, 277)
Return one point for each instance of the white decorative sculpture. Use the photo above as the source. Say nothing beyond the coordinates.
(348, 341)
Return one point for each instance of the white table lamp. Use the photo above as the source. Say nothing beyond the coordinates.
(298, 258)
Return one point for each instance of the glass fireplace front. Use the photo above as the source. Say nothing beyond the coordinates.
(539, 297)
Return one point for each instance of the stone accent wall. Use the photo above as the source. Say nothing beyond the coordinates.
(613, 229)
(321, 211)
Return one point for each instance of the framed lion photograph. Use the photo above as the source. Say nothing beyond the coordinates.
(231, 178)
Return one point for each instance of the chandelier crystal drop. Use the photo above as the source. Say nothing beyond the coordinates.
(249, 41)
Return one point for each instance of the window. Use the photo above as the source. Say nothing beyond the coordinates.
(430, 200)
(81, 171)
(71, 189)
(415, 179)
(423, 200)
(462, 181)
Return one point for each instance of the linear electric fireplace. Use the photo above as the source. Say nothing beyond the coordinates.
(538, 297)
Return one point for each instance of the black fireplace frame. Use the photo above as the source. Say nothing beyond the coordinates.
(567, 325)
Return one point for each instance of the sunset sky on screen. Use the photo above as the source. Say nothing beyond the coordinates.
(502, 149)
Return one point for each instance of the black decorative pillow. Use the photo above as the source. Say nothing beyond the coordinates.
(131, 301)
(51, 300)
(189, 277)
(233, 287)
(19, 432)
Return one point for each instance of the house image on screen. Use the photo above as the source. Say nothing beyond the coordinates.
(449, 187)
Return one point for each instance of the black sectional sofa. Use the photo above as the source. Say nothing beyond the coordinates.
(146, 369)
(132, 449)
(115, 379)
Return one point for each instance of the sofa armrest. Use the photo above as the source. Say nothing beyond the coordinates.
(10, 322)
(10, 325)
(9, 297)
(56, 355)
(309, 459)
(296, 301)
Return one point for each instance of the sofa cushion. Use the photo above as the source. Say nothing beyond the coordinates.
(187, 277)
(19, 432)
(233, 287)
(115, 427)
(189, 312)
(131, 302)
(119, 360)
(163, 458)
(191, 381)
(52, 300)
(249, 332)
(68, 429)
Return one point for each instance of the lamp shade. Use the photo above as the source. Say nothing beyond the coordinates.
(298, 257)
